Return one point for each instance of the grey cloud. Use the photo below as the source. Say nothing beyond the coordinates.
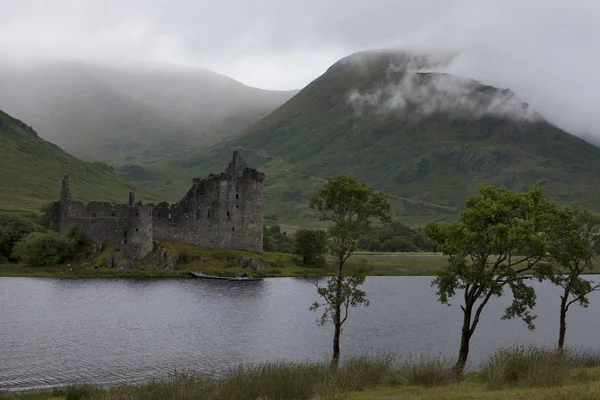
(543, 50)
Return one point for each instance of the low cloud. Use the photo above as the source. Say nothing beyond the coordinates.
(424, 89)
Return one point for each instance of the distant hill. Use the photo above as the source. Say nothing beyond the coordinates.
(31, 170)
(427, 138)
(123, 115)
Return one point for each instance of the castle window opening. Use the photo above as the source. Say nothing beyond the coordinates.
(208, 214)
(137, 214)
(150, 229)
(113, 214)
(93, 215)
(137, 229)
(150, 213)
(233, 228)
(237, 196)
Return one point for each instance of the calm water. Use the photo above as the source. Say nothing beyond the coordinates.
(67, 331)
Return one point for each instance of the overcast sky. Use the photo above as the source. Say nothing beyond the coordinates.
(545, 50)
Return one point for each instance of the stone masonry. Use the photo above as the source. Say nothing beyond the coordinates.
(220, 211)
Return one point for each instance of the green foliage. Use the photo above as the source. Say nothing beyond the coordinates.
(573, 246)
(340, 294)
(350, 207)
(500, 235)
(12, 229)
(51, 248)
(276, 241)
(396, 237)
(310, 245)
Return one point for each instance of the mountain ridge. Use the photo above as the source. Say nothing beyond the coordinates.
(425, 136)
(122, 115)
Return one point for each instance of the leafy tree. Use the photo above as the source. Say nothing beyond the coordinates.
(572, 250)
(499, 236)
(311, 245)
(37, 249)
(350, 207)
(277, 241)
(12, 229)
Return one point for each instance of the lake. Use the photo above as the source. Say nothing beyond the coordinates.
(112, 331)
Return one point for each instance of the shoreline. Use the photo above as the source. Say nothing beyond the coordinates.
(223, 263)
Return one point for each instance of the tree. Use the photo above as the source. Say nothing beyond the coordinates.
(350, 207)
(37, 249)
(572, 250)
(12, 229)
(500, 235)
(311, 245)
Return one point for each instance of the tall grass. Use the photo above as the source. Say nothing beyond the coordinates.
(534, 366)
(426, 370)
(279, 380)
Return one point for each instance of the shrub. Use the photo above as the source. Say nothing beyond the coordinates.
(37, 249)
(12, 229)
(310, 245)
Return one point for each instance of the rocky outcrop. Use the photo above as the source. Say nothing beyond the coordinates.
(248, 263)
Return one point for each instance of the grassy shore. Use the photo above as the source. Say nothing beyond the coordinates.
(518, 373)
(222, 263)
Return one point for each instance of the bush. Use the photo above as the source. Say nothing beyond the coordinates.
(37, 249)
(12, 229)
(310, 245)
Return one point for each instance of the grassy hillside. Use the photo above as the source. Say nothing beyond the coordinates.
(428, 139)
(131, 115)
(31, 169)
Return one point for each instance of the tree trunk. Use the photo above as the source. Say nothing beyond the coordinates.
(337, 317)
(563, 320)
(465, 339)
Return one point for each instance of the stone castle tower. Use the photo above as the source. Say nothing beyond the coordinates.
(220, 211)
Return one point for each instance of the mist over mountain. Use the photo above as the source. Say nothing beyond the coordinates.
(427, 138)
(131, 115)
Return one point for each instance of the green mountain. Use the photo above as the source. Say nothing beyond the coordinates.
(126, 115)
(427, 138)
(31, 170)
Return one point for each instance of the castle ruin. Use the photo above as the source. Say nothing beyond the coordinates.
(220, 211)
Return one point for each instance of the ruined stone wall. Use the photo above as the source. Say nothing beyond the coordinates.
(102, 222)
(221, 211)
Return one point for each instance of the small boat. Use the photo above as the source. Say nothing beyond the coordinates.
(241, 277)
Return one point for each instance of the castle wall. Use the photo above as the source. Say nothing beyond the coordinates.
(139, 231)
(221, 211)
(102, 222)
